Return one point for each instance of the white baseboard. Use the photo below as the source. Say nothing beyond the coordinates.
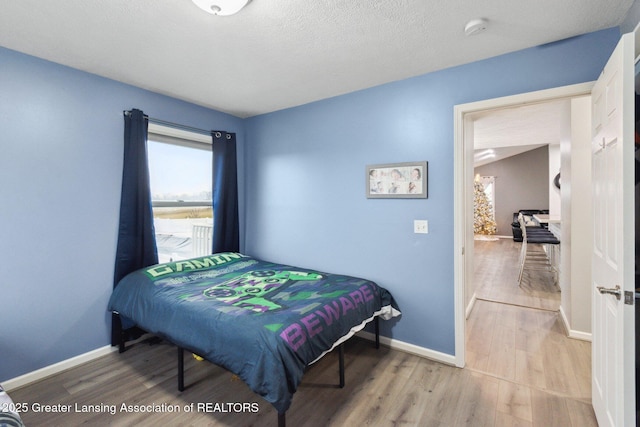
(56, 368)
(411, 348)
(579, 335)
(472, 303)
(47, 371)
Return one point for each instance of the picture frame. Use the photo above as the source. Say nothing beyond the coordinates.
(407, 180)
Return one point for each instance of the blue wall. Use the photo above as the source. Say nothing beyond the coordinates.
(305, 177)
(61, 133)
(302, 189)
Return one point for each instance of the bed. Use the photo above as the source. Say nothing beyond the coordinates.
(262, 321)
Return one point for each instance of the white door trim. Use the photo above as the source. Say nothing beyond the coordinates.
(463, 191)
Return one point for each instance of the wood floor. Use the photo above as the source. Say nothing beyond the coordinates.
(496, 275)
(521, 371)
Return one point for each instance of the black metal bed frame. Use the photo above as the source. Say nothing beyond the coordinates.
(281, 415)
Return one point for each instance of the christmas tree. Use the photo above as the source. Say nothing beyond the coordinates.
(483, 222)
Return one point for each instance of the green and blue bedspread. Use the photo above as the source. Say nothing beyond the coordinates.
(264, 322)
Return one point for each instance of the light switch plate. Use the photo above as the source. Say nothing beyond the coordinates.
(420, 226)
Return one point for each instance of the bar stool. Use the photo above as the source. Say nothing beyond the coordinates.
(533, 255)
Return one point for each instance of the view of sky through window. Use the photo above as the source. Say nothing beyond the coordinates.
(179, 173)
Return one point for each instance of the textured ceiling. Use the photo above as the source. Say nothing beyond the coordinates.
(506, 132)
(278, 54)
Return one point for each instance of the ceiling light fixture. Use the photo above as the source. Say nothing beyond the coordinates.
(483, 155)
(221, 7)
(475, 26)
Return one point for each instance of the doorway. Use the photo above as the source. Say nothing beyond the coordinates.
(463, 191)
(527, 346)
(519, 148)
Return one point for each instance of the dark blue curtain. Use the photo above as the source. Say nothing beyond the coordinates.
(226, 227)
(136, 236)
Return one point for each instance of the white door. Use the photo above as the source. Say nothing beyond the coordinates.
(613, 352)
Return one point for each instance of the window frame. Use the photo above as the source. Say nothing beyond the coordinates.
(183, 138)
(200, 243)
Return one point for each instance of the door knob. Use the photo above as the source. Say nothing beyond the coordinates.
(611, 291)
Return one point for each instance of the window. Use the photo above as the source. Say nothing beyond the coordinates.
(489, 184)
(181, 189)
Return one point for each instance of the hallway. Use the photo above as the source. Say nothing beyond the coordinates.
(516, 334)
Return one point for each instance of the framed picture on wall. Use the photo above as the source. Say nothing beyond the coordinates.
(397, 180)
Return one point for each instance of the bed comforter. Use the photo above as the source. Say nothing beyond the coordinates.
(264, 322)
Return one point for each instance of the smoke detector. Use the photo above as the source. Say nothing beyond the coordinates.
(475, 26)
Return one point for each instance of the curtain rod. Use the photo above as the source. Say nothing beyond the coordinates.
(173, 125)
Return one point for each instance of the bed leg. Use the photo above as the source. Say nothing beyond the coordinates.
(341, 364)
(180, 369)
(117, 333)
(282, 419)
(376, 325)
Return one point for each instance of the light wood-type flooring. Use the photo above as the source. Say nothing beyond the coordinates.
(496, 275)
(521, 371)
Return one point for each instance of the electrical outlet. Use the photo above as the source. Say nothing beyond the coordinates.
(420, 226)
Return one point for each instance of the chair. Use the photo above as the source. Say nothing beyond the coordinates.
(533, 255)
(202, 236)
(528, 214)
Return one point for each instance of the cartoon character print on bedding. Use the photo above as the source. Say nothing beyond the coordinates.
(251, 290)
(241, 286)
